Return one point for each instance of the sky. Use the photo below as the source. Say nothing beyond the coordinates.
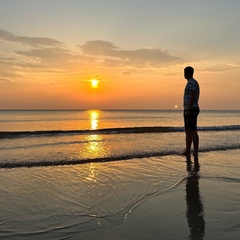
(50, 51)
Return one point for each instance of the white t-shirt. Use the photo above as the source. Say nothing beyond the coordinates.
(192, 85)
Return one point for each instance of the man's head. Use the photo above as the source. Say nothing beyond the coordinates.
(188, 72)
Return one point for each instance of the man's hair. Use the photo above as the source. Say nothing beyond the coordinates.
(189, 71)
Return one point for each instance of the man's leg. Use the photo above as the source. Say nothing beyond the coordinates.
(188, 142)
(195, 140)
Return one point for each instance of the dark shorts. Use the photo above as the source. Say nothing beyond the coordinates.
(190, 121)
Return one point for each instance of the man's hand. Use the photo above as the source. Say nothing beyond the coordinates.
(187, 113)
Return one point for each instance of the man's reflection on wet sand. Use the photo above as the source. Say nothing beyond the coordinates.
(194, 201)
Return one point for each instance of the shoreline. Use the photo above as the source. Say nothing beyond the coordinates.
(81, 202)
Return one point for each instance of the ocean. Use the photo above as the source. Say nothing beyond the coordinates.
(71, 174)
(40, 138)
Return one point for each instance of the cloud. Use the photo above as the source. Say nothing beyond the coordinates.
(99, 47)
(48, 56)
(54, 60)
(126, 73)
(234, 65)
(31, 41)
(145, 56)
(4, 80)
(52, 55)
(7, 69)
(216, 69)
(46, 51)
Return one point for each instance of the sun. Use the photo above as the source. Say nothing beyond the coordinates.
(94, 83)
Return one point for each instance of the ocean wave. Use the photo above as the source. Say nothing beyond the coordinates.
(220, 128)
(122, 157)
(126, 130)
(39, 145)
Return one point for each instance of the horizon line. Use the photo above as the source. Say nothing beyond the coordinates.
(120, 109)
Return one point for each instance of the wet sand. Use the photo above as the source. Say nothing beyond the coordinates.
(82, 202)
(205, 207)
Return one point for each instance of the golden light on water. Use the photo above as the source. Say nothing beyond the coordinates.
(94, 119)
(94, 148)
(95, 145)
(93, 171)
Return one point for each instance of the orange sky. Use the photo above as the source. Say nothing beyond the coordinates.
(139, 64)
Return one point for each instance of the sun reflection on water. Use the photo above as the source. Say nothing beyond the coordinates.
(95, 146)
(94, 119)
(93, 171)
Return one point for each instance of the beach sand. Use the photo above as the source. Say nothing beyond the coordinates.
(166, 216)
(206, 208)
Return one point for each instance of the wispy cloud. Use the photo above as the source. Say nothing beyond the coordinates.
(235, 65)
(146, 56)
(49, 55)
(4, 80)
(7, 70)
(45, 55)
(31, 41)
(216, 69)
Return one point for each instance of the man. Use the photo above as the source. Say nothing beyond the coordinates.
(191, 111)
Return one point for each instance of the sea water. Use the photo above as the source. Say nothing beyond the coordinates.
(64, 173)
(30, 138)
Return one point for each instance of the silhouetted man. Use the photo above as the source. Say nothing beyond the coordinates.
(191, 111)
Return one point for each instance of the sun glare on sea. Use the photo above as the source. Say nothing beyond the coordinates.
(94, 119)
(94, 83)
